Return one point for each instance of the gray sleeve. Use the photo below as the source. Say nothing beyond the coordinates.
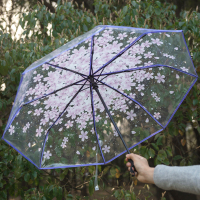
(184, 178)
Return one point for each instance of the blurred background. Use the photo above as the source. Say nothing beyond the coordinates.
(31, 29)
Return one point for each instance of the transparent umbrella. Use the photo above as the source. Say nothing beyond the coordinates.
(98, 96)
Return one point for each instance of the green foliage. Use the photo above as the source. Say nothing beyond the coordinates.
(44, 32)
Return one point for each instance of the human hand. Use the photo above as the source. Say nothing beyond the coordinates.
(144, 173)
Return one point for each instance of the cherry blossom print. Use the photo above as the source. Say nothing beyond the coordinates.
(153, 94)
(47, 155)
(140, 87)
(38, 111)
(157, 115)
(56, 118)
(184, 69)
(106, 149)
(39, 131)
(83, 135)
(78, 152)
(65, 139)
(131, 115)
(148, 55)
(121, 36)
(24, 129)
(94, 148)
(11, 129)
(28, 125)
(37, 78)
(63, 145)
(160, 78)
(157, 41)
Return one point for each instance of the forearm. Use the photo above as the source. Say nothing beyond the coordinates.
(185, 179)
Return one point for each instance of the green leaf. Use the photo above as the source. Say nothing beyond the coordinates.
(151, 153)
(183, 162)
(155, 146)
(177, 157)
(7, 56)
(85, 28)
(157, 11)
(27, 177)
(88, 19)
(181, 24)
(134, 3)
(195, 102)
(105, 170)
(91, 187)
(159, 141)
(34, 174)
(125, 9)
(158, 3)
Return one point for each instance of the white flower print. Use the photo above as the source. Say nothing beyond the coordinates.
(148, 55)
(153, 94)
(137, 106)
(24, 129)
(133, 132)
(140, 87)
(116, 134)
(63, 145)
(65, 139)
(106, 149)
(156, 41)
(157, 99)
(39, 131)
(78, 152)
(11, 129)
(149, 63)
(177, 76)
(171, 92)
(167, 35)
(47, 154)
(157, 115)
(28, 125)
(147, 120)
(94, 148)
(83, 135)
(29, 144)
(131, 115)
(176, 48)
(121, 36)
(160, 78)
(38, 111)
(184, 69)
(37, 78)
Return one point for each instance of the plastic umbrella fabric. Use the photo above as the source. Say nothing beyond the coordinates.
(99, 95)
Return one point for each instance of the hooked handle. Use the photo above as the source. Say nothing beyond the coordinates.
(131, 169)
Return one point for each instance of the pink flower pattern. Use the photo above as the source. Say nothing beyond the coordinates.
(74, 122)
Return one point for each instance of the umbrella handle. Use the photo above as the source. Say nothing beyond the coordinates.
(132, 165)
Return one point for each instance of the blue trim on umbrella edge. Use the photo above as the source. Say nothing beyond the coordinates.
(189, 53)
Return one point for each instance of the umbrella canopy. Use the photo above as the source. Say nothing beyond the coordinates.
(105, 91)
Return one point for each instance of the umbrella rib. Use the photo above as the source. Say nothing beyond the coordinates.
(93, 114)
(134, 101)
(121, 52)
(91, 55)
(113, 122)
(83, 75)
(53, 92)
(140, 68)
(57, 120)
